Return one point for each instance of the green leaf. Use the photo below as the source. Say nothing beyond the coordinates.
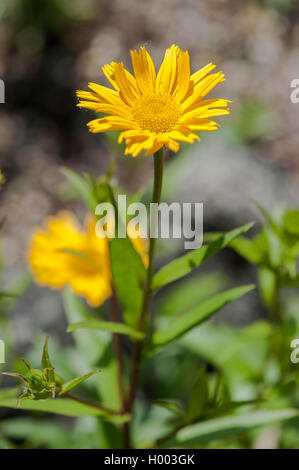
(69, 251)
(194, 317)
(6, 393)
(230, 425)
(199, 396)
(189, 292)
(172, 405)
(2, 222)
(62, 406)
(8, 294)
(114, 327)
(46, 363)
(291, 222)
(83, 187)
(248, 249)
(38, 433)
(268, 287)
(89, 344)
(240, 352)
(288, 281)
(66, 386)
(185, 264)
(269, 219)
(129, 275)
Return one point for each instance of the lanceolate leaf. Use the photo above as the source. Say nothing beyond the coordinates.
(46, 363)
(129, 278)
(66, 386)
(114, 327)
(171, 405)
(199, 396)
(63, 406)
(194, 317)
(231, 425)
(8, 294)
(248, 249)
(84, 188)
(182, 266)
(91, 344)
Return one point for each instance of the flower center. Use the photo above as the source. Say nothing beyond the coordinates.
(157, 113)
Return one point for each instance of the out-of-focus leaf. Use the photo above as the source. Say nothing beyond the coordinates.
(129, 275)
(185, 264)
(2, 222)
(113, 327)
(288, 281)
(190, 292)
(37, 432)
(7, 294)
(90, 343)
(107, 385)
(271, 221)
(267, 286)
(248, 249)
(291, 222)
(253, 121)
(68, 251)
(199, 396)
(7, 393)
(171, 405)
(230, 425)
(62, 406)
(239, 353)
(66, 386)
(189, 320)
(84, 188)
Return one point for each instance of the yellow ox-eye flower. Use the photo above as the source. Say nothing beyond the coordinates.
(62, 254)
(152, 109)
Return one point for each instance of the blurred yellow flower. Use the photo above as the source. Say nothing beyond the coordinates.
(2, 178)
(62, 254)
(152, 109)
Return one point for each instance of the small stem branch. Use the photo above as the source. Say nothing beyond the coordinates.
(158, 178)
(91, 403)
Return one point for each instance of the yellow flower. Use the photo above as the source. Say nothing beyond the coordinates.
(152, 109)
(62, 254)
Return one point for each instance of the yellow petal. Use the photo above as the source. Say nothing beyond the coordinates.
(144, 71)
(167, 75)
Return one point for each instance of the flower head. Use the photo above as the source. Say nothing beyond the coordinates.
(153, 110)
(61, 253)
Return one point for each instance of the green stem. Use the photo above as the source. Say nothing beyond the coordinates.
(92, 404)
(158, 178)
